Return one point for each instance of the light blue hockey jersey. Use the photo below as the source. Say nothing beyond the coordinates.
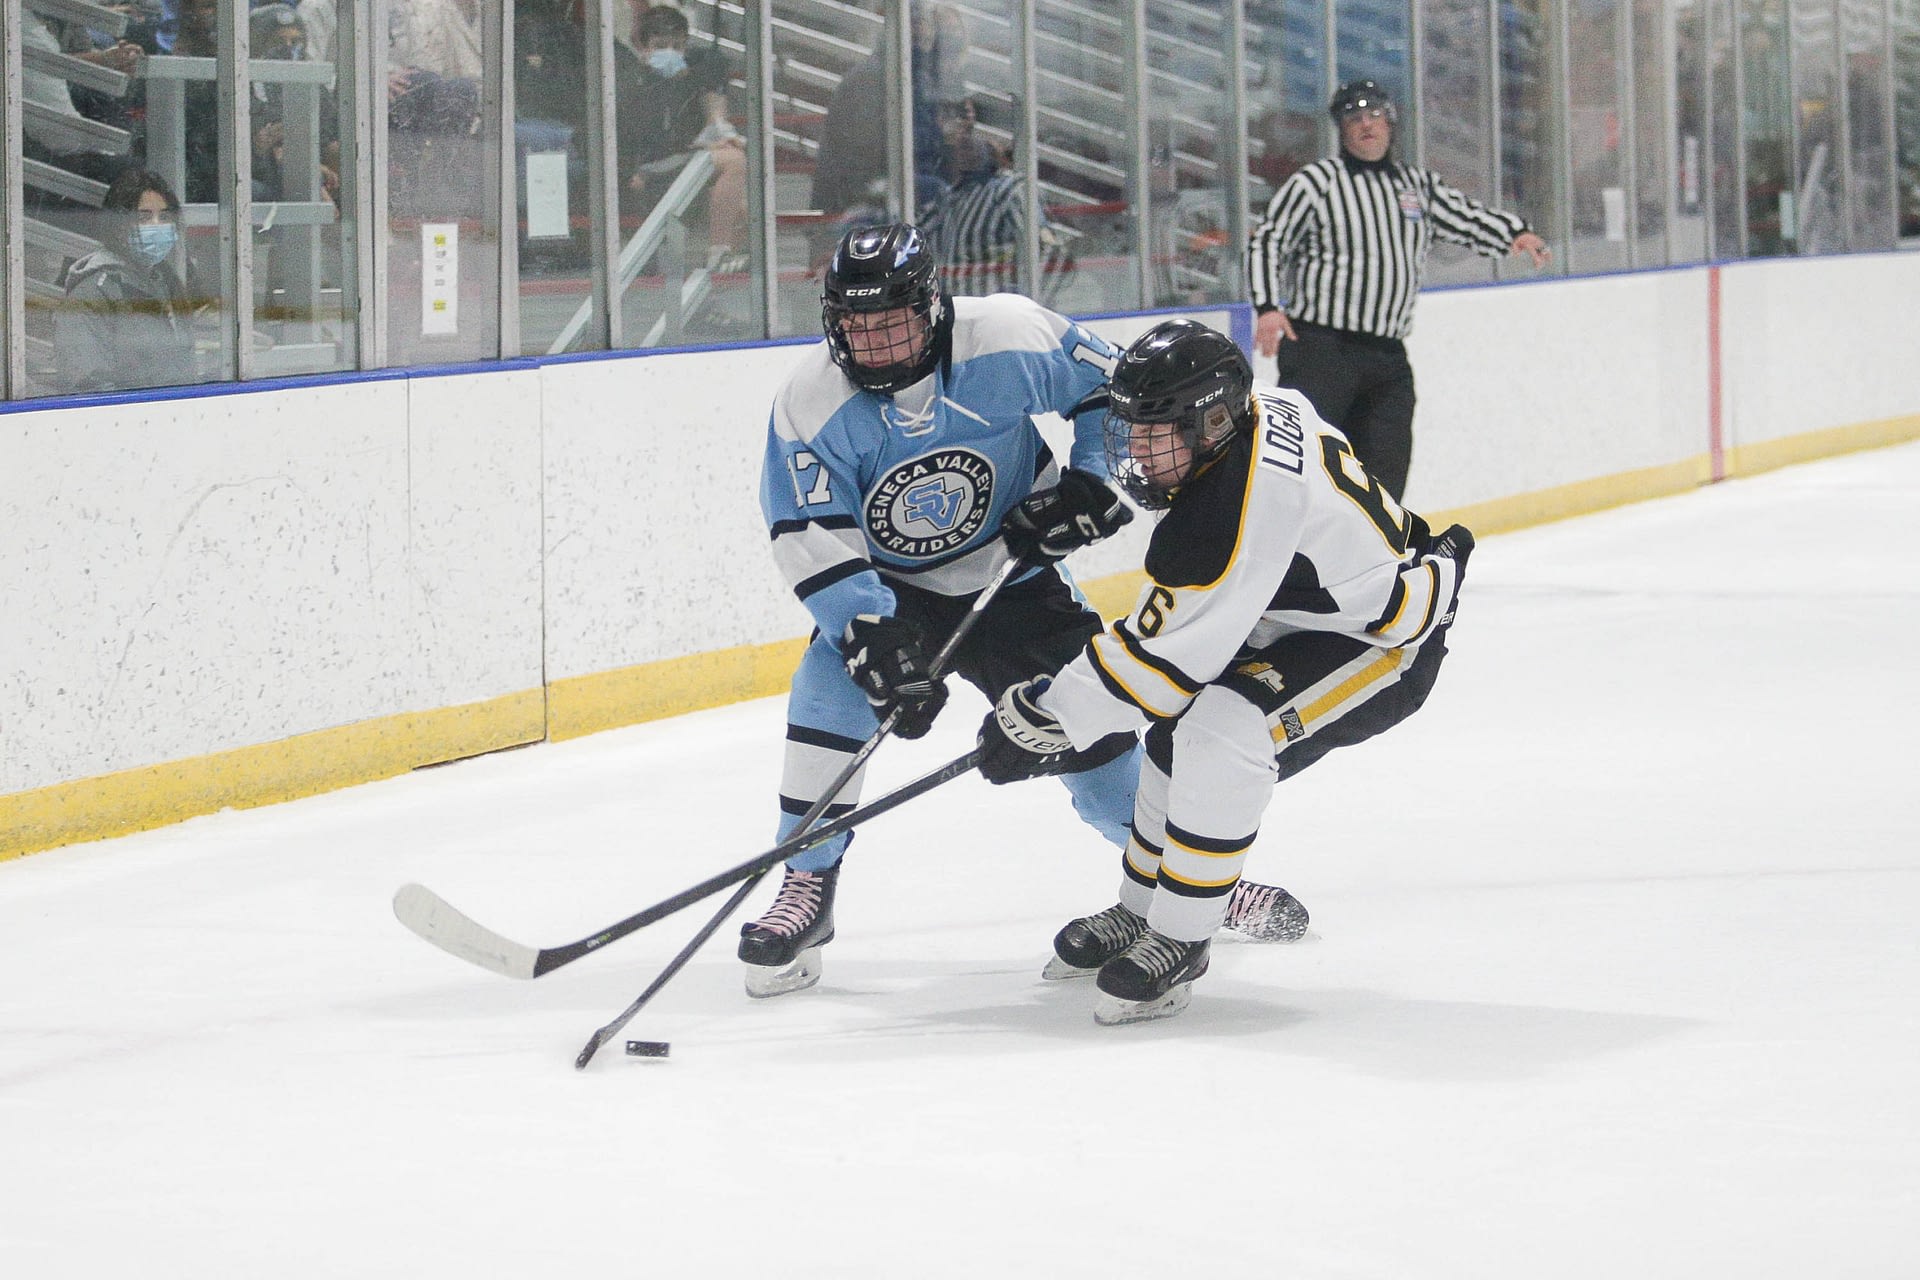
(860, 490)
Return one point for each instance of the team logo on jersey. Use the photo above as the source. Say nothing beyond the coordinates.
(931, 505)
(1410, 206)
(1290, 725)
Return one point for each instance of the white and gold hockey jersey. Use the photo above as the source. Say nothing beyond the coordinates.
(1284, 532)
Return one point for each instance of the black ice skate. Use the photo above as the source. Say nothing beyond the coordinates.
(1085, 944)
(1152, 978)
(1266, 913)
(782, 947)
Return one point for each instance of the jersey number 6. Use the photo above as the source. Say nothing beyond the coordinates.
(1351, 479)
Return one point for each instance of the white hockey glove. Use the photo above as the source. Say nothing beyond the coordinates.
(1054, 523)
(1018, 740)
(887, 658)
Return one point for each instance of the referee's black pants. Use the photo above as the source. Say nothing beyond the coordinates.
(1364, 386)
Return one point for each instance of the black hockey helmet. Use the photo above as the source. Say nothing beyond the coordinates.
(1182, 373)
(883, 268)
(1359, 94)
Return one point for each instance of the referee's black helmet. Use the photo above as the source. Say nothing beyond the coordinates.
(1357, 95)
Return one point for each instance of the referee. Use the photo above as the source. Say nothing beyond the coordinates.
(1335, 265)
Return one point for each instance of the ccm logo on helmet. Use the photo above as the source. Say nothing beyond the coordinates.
(864, 293)
(1209, 398)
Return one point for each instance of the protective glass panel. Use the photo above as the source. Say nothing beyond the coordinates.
(442, 283)
(1529, 117)
(1691, 183)
(1187, 114)
(1649, 87)
(304, 276)
(121, 164)
(1767, 129)
(1869, 152)
(972, 193)
(1820, 193)
(1906, 115)
(1725, 163)
(832, 134)
(1288, 87)
(1596, 136)
(551, 163)
(1373, 40)
(1089, 183)
(1457, 119)
(684, 264)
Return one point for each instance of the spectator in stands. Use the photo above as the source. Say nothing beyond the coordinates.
(850, 176)
(199, 37)
(321, 18)
(974, 224)
(43, 88)
(671, 101)
(432, 39)
(433, 108)
(277, 34)
(125, 322)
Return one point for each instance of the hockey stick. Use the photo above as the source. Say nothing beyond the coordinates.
(435, 919)
(731, 905)
(447, 927)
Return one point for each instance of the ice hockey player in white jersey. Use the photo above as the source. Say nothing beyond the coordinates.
(1292, 606)
(902, 469)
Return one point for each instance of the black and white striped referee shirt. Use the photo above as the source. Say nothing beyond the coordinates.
(1344, 243)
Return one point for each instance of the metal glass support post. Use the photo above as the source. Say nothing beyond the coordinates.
(1330, 36)
(370, 166)
(1417, 78)
(1626, 84)
(603, 201)
(1235, 158)
(236, 182)
(1026, 148)
(1495, 133)
(762, 199)
(1561, 58)
(13, 273)
(900, 158)
(1143, 238)
(497, 111)
(1739, 131)
(1843, 135)
(1889, 120)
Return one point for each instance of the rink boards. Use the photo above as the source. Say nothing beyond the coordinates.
(228, 597)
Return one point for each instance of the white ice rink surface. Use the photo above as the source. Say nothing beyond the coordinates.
(1617, 975)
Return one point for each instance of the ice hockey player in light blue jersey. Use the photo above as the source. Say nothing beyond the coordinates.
(903, 468)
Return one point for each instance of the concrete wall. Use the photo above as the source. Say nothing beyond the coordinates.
(232, 597)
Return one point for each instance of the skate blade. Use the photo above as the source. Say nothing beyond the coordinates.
(1059, 970)
(764, 981)
(1111, 1011)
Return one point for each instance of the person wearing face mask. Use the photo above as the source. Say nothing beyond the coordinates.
(670, 101)
(125, 322)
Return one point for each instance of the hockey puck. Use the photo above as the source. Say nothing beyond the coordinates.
(647, 1048)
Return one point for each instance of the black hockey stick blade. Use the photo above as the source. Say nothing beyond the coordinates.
(433, 918)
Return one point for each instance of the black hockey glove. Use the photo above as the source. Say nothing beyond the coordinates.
(1455, 543)
(1052, 524)
(1018, 740)
(887, 660)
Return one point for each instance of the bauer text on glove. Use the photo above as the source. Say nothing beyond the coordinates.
(1018, 740)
